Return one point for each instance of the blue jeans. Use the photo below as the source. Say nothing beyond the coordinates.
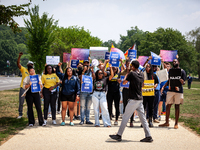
(156, 102)
(99, 99)
(86, 102)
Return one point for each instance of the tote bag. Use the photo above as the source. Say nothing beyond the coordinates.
(162, 74)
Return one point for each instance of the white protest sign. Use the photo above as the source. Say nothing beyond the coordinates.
(52, 60)
(98, 52)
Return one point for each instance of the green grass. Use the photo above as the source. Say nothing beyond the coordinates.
(190, 110)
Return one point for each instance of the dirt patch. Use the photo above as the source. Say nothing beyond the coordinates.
(190, 115)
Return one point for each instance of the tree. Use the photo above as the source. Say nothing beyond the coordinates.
(109, 44)
(40, 37)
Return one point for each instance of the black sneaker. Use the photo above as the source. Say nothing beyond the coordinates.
(116, 137)
(89, 122)
(100, 117)
(81, 123)
(147, 139)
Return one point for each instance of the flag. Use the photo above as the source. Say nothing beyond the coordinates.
(133, 47)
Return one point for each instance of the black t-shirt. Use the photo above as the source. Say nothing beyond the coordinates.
(136, 80)
(101, 84)
(113, 85)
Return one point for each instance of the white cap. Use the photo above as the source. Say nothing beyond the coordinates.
(30, 62)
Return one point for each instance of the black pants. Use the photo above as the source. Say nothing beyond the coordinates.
(125, 94)
(30, 99)
(49, 98)
(59, 97)
(116, 97)
(149, 101)
(189, 85)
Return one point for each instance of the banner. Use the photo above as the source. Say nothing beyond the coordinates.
(124, 85)
(132, 54)
(98, 52)
(114, 59)
(87, 84)
(107, 55)
(35, 86)
(52, 60)
(142, 59)
(74, 63)
(156, 60)
(174, 77)
(148, 89)
(118, 51)
(80, 54)
(168, 55)
(66, 57)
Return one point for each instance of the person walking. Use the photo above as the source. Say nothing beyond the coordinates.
(189, 78)
(136, 79)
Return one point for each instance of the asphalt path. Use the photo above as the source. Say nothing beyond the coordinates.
(7, 83)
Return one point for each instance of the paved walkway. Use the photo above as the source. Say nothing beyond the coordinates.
(84, 137)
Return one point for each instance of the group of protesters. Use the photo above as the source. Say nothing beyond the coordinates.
(106, 89)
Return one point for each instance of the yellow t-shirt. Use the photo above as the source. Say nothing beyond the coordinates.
(49, 80)
(25, 73)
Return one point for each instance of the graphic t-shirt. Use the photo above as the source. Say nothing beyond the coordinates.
(101, 84)
(113, 85)
(49, 80)
(25, 73)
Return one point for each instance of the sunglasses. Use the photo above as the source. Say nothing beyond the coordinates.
(100, 73)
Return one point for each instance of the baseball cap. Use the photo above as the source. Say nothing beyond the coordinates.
(30, 62)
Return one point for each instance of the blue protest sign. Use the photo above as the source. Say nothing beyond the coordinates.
(156, 60)
(132, 54)
(35, 86)
(107, 55)
(87, 84)
(114, 59)
(141, 68)
(124, 85)
(74, 63)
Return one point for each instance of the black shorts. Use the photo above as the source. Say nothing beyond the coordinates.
(69, 98)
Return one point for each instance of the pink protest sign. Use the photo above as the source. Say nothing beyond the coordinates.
(118, 51)
(168, 55)
(142, 59)
(80, 54)
(66, 57)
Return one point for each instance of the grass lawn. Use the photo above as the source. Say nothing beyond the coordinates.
(190, 110)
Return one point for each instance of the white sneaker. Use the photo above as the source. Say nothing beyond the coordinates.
(30, 125)
(54, 122)
(115, 123)
(49, 116)
(19, 117)
(45, 122)
(58, 112)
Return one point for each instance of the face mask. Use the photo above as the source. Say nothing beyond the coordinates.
(175, 66)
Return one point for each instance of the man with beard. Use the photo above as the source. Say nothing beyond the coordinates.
(174, 96)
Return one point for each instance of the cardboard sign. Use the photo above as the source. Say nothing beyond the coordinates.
(148, 89)
(98, 52)
(118, 51)
(124, 85)
(74, 63)
(156, 60)
(168, 55)
(52, 60)
(114, 59)
(80, 54)
(107, 55)
(142, 59)
(35, 86)
(87, 85)
(66, 57)
(174, 77)
(132, 54)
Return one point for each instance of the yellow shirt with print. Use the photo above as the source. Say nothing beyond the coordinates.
(49, 80)
(25, 73)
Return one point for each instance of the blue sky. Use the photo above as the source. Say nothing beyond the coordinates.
(107, 19)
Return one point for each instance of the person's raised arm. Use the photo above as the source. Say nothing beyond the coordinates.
(18, 60)
(150, 57)
(104, 66)
(69, 63)
(111, 72)
(165, 66)
(93, 74)
(123, 66)
(58, 73)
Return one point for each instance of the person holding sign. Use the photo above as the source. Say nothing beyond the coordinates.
(175, 92)
(136, 79)
(70, 90)
(99, 97)
(33, 98)
(50, 81)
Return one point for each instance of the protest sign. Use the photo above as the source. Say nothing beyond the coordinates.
(80, 54)
(74, 63)
(141, 68)
(66, 57)
(124, 85)
(35, 86)
(107, 55)
(87, 84)
(118, 51)
(174, 77)
(52, 60)
(114, 59)
(132, 54)
(95, 62)
(168, 55)
(142, 59)
(148, 88)
(156, 60)
(98, 52)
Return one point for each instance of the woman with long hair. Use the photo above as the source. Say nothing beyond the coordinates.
(70, 90)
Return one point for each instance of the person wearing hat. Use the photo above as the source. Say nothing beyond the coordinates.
(25, 73)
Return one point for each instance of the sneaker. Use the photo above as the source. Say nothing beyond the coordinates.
(30, 125)
(71, 124)
(100, 117)
(115, 123)
(19, 117)
(156, 121)
(78, 117)
(136, 116)
(159, 118)
(44, 124)
(116, 137)
(54, 122)
(164, 125)
(89, 122)
(62, 124)
(58, 112)
(49, 116)
(81, 123)
(147, 139)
